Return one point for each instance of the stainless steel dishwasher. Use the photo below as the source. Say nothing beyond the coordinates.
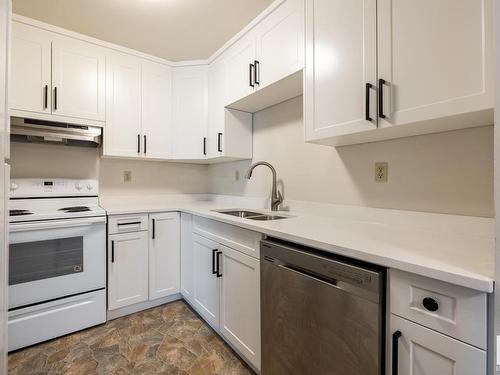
(320, 314)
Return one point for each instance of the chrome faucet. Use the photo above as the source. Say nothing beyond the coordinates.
(276, 196)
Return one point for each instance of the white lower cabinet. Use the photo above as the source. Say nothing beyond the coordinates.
(143, 259)
(127, 269)
(421, 351)
(240, 303)
(223, 285)
(164, 254)
(206, 282)
(187, 257)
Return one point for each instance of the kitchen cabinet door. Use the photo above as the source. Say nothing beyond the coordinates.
(216, 102)
(341, 60)
(239, 61)
(240, 303)
(78, 79)
(187, 257)
(422, 351)
(190, 111)
(206, 283)
(156, 109)
(164, 255)
(127, 269)
(280, 43)
(436, 58)
(122, 133)
(30, 69)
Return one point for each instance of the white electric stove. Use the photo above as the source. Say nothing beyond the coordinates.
(57, 259)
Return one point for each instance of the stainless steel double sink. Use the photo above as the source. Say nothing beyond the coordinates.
(252, 215)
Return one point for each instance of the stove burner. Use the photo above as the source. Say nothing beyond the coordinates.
(75, 209)
(19, 212)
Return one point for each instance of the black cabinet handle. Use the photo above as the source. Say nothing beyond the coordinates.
(430, 304)
(257, 72)
(145, 144)
(219, 142)
(395, 341)
(205, 146)
(138, 143)
(214, 269)
(250, 70)
(112, 251)
(219, 274)
(367, 103)
(153, 221)
(381, 83)
(45, 97)
(55, 98)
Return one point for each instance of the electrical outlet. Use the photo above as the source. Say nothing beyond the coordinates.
(237, 175)
(381, 171)
(127, 176)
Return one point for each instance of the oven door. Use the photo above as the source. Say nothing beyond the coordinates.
(56, 258)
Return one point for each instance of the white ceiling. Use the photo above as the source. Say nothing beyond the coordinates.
(173, 29)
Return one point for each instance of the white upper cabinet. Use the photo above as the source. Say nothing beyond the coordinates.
(156, 109)
(341, 64)
(164, 255)
(229, 134)
(190, 111)
(78, 79)
(280, 43)
(122, 134)
(267, 55)
(436, 58)
(240, 68)
(54, 77)
(422, 64)
(30, 69)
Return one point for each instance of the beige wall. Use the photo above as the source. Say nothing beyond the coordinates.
(448, 172)
(148, 177)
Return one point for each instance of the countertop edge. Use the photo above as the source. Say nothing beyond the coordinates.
(472, 280)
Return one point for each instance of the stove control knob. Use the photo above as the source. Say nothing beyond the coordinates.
(13, 186)
(89, 187)
(78, 186)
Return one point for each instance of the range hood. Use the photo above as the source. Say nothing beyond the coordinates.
(39, 131)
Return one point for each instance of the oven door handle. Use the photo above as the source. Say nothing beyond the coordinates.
(53, 224)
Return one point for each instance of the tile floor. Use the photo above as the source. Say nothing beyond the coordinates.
(170, 339)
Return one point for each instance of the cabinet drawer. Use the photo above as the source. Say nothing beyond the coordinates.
(453, 310)
(240, 239)
(127, 223)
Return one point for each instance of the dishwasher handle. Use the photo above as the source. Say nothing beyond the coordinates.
(302, 272)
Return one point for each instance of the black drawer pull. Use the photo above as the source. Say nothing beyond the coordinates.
(138, 143)
(131, 223)
(214, 269)
(112, 251)
(45, 96)
(219, 142)
(381, 83)
(395, 352)
(55, 98)
(430, 304)
(219, 274)
(153, 221)
(367, 102)
(205, 146)
(250, 79)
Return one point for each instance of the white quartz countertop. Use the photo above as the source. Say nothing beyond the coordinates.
(455, 249)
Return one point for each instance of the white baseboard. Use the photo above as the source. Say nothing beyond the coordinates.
(113, 314)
